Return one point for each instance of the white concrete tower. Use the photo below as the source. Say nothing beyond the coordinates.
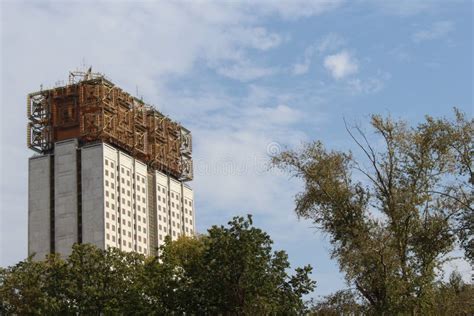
(100, 195)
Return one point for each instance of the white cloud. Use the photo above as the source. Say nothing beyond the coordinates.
(294, 9)
(278, 115)
(330, 42)
(368, 85)
(257, 37)
(404, 7)
(301, 68)
(359, 86)
(232, 147)
(245, 71)
(436, 31)
(341, 65)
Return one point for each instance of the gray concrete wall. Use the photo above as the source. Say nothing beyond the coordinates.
(93, 195)
(39, 206)
(65, 189)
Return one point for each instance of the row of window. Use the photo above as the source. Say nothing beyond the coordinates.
(139, 197)
(124, 234)
(186, 211)
(140, 219)
(139, 178)
(124, 243)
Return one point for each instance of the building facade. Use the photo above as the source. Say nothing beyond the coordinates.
(91, 191)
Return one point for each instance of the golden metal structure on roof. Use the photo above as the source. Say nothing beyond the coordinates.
(91, 108)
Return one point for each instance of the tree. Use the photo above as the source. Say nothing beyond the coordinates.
(89, 281)
(99, 281)
(454, 297)
(390, 224)
(22, 289)
(243, 276)
(232, 270)
(343, 302)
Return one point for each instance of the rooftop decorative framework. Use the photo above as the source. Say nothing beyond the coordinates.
(91, 108)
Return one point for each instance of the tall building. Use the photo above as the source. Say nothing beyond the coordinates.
(110, 170)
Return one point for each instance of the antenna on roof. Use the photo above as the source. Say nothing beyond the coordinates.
(88, 73)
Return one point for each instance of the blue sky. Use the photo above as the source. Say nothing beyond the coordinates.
(248, 79)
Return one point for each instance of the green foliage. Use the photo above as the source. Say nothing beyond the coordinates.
(452, 298)
(344, 302)
(232, 270)
(393, 216)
